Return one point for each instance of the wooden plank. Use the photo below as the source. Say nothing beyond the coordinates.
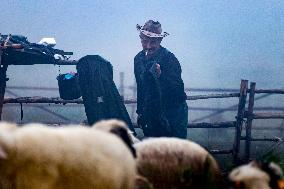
(58, 100)
(249, 121)
(198, 97)
(274, 115)
(121, 84)
(3, 69)
(220, 151)
(239, 123)
(1, 83)
(204, 125)
(39, 100)
(275, 139)
(270, 91)
(212, 125)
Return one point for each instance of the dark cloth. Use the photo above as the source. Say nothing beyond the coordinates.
(177, 119)
(157, 96)
(100, 95)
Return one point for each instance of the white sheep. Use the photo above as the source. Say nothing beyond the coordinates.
(176, 163)
(120, 129)
(116, 126)
(257, 175)
(35, 156)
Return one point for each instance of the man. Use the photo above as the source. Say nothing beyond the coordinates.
(161, 100)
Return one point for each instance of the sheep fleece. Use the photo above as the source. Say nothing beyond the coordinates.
(39, 157)
(176, 164)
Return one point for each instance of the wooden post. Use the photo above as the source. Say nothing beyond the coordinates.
(249, 121)
(239, 120)
(121, 84)
(282, 128)
(134, 95)
(3, 79)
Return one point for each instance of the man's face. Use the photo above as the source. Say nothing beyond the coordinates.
(150, 44)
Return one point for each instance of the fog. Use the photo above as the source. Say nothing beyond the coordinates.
(218, 43)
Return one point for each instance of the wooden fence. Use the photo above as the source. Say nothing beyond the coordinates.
(244, 115)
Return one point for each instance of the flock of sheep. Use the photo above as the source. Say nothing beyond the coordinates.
(108, 156)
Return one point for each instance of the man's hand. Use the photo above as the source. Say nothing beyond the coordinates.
(140, 121)
(158, 67)
(155, 70)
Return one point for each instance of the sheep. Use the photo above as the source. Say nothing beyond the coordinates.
(142, 183)
(116, 126)
(257, 175)
(35, 156)
(120, 129)
(174, 163)
(249, 177)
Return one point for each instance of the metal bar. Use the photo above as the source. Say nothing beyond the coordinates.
(239, 123)
(249, 120)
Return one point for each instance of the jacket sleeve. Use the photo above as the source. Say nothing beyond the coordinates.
(138, 71)
(174, 86)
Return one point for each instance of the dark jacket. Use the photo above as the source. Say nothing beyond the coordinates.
(170, 86)
(100, 95)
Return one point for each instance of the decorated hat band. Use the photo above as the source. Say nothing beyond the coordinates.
(151, 34)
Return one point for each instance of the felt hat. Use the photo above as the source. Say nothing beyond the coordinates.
(152, 29)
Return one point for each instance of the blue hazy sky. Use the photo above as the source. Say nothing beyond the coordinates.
(217, 42)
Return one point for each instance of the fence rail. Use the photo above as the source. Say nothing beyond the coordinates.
(268, 116)
(243, 113)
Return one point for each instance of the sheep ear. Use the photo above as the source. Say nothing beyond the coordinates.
(3, 154)
(123, 134)
(142, 183)
(255, 163)
(280, 183)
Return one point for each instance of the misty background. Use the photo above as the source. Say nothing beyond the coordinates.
(218, 43)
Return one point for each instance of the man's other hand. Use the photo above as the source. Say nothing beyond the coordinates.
(158, 67)
(140, 121)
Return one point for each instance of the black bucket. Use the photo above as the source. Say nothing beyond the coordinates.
(69, 88)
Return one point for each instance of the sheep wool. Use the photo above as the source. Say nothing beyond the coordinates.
(257, 175)
(114, 125)
(35, 156)
(176, 164)
(119, 129)
(249, 177)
